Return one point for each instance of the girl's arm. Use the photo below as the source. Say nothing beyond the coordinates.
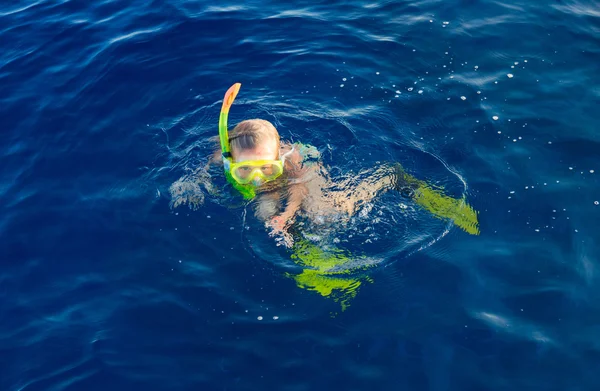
(186, 190)
(297, 190)
(280, 224)
(296, 194)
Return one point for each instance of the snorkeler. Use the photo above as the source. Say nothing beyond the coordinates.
(288, 186)
(285, 180)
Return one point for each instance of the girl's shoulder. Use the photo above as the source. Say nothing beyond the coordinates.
(300, 153)
(307, 151)
(301, 157)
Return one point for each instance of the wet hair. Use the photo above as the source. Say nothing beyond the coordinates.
(250, 133)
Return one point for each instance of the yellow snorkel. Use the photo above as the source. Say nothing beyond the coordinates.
(223, 135)
(247, 191)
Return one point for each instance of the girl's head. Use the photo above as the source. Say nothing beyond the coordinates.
(254, 139)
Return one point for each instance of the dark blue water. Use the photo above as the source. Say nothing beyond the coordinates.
(104, 104)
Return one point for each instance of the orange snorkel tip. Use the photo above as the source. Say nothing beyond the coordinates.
(230, 96)
(227, 102)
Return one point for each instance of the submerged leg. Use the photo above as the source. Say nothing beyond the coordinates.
(437, 203)
(355, 195)
(394, 177)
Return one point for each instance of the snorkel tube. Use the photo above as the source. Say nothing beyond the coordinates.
(223, 135)
(247, 191)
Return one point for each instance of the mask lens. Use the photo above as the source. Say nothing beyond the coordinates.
(270, 170)
(244, 172)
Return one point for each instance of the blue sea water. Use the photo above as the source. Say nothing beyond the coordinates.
(104, 104)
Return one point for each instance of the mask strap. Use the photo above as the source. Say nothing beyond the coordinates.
(226, 163)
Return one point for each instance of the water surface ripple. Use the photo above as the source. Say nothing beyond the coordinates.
(104, 104)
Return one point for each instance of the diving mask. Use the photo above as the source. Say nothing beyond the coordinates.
(255, 171)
